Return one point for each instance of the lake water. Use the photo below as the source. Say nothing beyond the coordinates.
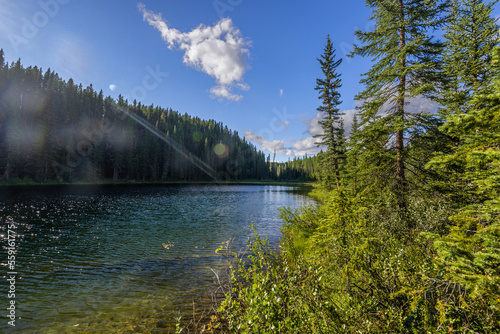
(132, 258)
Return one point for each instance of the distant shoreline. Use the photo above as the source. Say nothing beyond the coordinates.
(22, 183)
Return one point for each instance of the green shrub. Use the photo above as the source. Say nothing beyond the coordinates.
(351, 266)
(270, 295)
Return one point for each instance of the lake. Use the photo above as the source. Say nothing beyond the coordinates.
(124, 257)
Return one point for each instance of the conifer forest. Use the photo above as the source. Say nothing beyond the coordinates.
(54, 130)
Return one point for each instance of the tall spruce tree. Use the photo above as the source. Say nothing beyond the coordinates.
(407, 64)
(470, 36)
(472, 248)
(331, 122)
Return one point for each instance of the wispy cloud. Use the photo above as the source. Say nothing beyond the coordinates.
(219, 51)
(282, 125)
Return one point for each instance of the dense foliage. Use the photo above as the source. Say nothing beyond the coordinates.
(410, 241)
(53, 130)
(408, 65)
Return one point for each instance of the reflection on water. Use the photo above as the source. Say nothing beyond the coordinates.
(126, 258)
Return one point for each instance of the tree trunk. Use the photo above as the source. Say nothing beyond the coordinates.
(400, 165)
(337, 173)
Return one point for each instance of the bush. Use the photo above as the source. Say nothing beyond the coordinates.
(270, 295)
(351, 266)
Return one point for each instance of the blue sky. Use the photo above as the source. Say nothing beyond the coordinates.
(250, 64)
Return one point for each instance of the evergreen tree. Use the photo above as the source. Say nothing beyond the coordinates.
(470, 36)
(408, 61)
(333, 130)
(352, 153)
(3, 111)
(472, 248)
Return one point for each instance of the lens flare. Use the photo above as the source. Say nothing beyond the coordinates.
(172, 143)
(222, 150)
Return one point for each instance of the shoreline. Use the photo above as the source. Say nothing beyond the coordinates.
(20, 183)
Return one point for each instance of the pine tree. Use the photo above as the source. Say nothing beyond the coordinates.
(3, 115)
(408, 61)
(472, 249)
(3, 80)
(352, 153)
(2, 61)
(331, 123)
(470, 36)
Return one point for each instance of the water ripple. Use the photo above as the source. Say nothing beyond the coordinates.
(127, 258)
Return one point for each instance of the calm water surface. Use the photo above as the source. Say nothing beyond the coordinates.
(93, 259)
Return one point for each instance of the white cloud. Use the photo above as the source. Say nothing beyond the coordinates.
(219, 51)
(298, 148)
(420, 104)
(302, 146)
(223, 92)
(270, 146)
(243, 86)
(306, 146)
(313, 127)
(348, 118)
(281, 92)
(112, 87)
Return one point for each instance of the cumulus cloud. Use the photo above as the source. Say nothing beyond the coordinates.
(306, 146)
(297, 148)
(313, 127)
(219, 51)
(348, 118)
(222, 92)
(112, 87)
(277, 146)
(302, 146)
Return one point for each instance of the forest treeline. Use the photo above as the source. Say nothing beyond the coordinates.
(53, 130)
(407, 236)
